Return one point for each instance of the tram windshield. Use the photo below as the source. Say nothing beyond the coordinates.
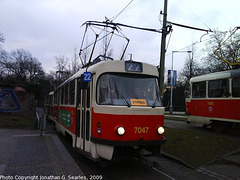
(128, 90)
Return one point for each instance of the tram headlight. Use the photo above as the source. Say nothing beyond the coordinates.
(120, 131)
(160, 130)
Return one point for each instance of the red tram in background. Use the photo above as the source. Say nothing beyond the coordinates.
(214, 99)
(109, 109)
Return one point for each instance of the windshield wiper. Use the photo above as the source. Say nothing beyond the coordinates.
(155, 101)
(125, 100)
(121, 96)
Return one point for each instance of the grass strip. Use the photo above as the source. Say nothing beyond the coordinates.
(196, 148)
(14, 122)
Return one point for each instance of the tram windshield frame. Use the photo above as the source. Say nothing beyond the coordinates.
(122, 89)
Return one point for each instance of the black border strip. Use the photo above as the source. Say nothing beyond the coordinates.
(141, 142)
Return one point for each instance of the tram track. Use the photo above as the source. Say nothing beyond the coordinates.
(158, 170)
(146, 168)
(133, 168)
(167, 167)
(202, 170)
(213, 174)
(173, 168)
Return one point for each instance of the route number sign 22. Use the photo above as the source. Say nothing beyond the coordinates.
(87, 76)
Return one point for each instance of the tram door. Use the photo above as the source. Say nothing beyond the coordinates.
(83, 117)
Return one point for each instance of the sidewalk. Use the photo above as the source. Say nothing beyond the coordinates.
(25, 153)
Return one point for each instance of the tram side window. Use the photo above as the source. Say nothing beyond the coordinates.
(218, 88)
(58, 96)
(199, 90)
(55, 98)
(103, 89)
(236, 87)
(62, 95)
(66, 94)
(50, 99)
(72, 92)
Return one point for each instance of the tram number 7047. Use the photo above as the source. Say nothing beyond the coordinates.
(140, 130)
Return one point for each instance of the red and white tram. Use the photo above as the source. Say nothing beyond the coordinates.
(214, 99)
(110, 108)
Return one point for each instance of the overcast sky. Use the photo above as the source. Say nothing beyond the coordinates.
(49, 28)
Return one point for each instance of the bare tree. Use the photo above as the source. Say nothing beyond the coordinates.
(191, 66)
(229, 50)
(34, 69)
(17, 65)
(107, 51)
(84, 53)
(61, 62)
(1, 38)
(3, 56)
(21, 65)
(61, 68)
(75, 63)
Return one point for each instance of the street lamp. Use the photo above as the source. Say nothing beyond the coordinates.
(171, 96)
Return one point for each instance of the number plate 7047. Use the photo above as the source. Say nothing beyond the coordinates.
(140, 130)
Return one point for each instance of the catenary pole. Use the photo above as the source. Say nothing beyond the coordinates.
(163, 49)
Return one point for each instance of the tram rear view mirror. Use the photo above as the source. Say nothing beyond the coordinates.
(83, 84)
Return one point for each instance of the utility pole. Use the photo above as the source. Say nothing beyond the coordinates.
(163, 49)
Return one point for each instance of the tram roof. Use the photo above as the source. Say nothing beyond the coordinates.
(217, 75)
(117, 66)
